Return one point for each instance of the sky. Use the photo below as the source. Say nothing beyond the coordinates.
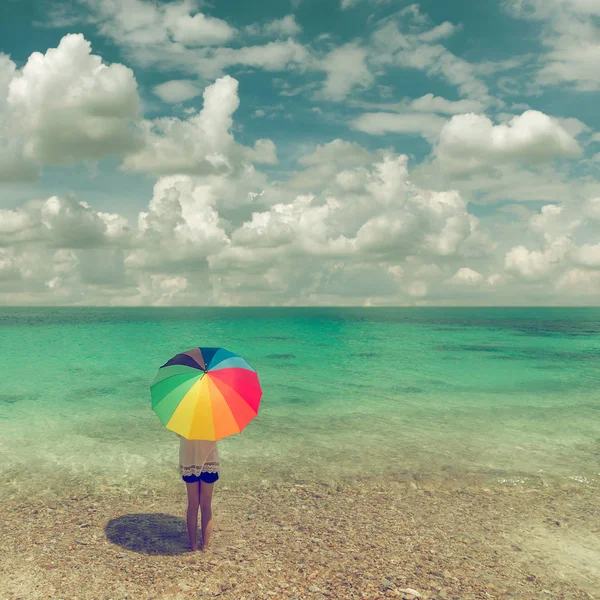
(300, 152)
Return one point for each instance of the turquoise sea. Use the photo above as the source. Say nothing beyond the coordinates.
(505, 396)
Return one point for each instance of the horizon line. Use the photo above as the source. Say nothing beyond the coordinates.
(303, 306)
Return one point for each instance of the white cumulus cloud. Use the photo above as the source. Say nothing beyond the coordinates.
(284, 27)
(413, 123)
(436, 104)
(571, 34)
(197, 29)
(466, 276)
(177, 90)
(201, 144)
(64, 106)
(536, 264)
(177, 35)
(470, 141)
(346, 69)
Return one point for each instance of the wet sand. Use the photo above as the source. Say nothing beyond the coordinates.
(375, 539)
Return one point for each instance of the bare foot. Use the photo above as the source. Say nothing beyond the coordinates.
(204, 548)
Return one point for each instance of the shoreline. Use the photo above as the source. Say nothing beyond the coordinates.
(64, 484)
(353, 539)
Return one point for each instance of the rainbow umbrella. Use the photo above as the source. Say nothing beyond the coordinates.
(206, 394)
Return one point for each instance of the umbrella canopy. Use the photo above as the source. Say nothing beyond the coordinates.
(206, 394)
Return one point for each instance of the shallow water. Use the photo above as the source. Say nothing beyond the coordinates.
(510, 395)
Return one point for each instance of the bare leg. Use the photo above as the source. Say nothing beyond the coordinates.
(206, 492)
(193, 494)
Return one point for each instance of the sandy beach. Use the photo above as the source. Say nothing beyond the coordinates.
(371, 539)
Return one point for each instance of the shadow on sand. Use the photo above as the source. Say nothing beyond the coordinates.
(149, 533)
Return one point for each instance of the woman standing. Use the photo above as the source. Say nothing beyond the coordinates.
(199, 468)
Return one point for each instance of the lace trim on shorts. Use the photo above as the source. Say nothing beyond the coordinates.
(208, 467)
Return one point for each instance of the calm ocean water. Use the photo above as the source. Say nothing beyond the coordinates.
(508, 395)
